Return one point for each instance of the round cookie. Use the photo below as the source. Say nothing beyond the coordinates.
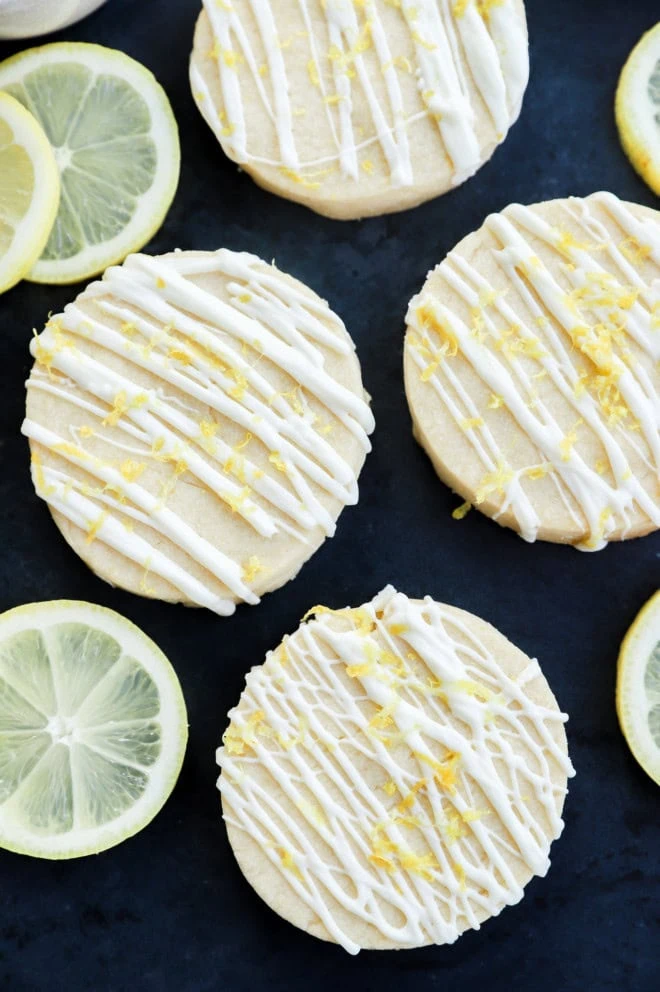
(361, 109)
(197, 423)
(531, 369)
(393, 775)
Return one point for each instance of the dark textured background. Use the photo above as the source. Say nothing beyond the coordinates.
(169, 908)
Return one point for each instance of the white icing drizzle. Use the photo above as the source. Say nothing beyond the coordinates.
(449, 38)
(151, 314)
(412, 856)
(596, 318)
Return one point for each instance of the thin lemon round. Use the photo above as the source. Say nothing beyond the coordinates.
(638, 688)
(637, 107)
(29, 191)
(93, 729)
(116, 144)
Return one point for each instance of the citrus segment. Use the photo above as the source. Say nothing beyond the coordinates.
(92, 729)
(29, 191)
(117, 149)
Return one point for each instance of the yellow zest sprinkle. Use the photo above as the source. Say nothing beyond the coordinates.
(460, 874)
(42, 356)
(160, 283)
(121, 405)
(208, 428)
(290, 742)
(368, 166)
(86, 431)
(94, 528)
(41, 486)
(454, 828)
(429, 321)
(251, 569)
(568, 442)
(444, 772)
(236, 502)
(357, 671)
(276, 459)
(231, 58)
(410, 798)
(538, 471)
(461, 511)
(382, 862)
(179, 356)
(297, 178)
(397, 628)
(494, 482)
(419, 864)
(244, 443)
(131, 470)
(237, 738)
(389, 788)
(469, 423)
(429, 45)
(634, 251)
(383, 718)
(495, 402)
(145, 588)
(313, 73)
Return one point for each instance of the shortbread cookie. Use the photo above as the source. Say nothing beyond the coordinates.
(394, 774)
(356, 109)
(197, 423)
(531, 369)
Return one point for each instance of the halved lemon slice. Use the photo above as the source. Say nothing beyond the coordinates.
(93, 729)
(638, 688)
(116, 143)
(637, 107)
(29, 191)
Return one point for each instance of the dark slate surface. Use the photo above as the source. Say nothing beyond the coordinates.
(169, 908)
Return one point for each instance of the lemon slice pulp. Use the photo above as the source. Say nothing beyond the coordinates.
(93, 729)
(637, 107)
(29, 191)
(116, 144)
(638, 688)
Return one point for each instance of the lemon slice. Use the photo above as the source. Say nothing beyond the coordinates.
(92, 729)
(637, 108)
(638, 688)
(29, 191)
(116, 143)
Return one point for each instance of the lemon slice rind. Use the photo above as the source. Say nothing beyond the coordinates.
(152, 205)
(637, 114)
(163, 770)
(632, 697)
(32, 230)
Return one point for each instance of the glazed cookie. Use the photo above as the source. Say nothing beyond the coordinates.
(531, 370)
(393, 775)
(357, 109)
(197, 423)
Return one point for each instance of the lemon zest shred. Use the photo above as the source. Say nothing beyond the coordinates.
(95, 526)
(461, 511)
